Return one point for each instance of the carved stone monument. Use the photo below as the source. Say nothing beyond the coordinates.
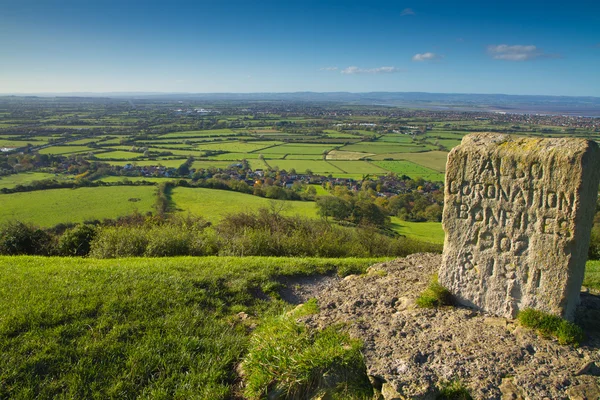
(517, 215)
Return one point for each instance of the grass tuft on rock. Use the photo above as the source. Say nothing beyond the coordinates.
(453, 390)
(287, 360)
(549, 325)
(434, 296)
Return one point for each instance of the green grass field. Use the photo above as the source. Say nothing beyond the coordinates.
(65, 150)
(347, 155)
(237, 147)
(425, 231)
(592, 275)
(415, 171)
(435, 160)
(47, 208)
(213, 204)
(119, 155)
(24, 178)
(383, 147)
(359, 167)
(294, 148)
(316, 166)
(80, 328)
(213, 132)
(165, 163)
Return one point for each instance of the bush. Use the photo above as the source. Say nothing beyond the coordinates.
(549, 325)
(434, 296)
(111, 242)
(19, 238)
(286, 360)
(76, 241)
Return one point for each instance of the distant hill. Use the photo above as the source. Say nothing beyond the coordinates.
(521, 104)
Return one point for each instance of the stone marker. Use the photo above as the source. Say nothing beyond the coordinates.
(517, 215)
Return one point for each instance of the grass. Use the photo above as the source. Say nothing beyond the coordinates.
(409, 168)
(286, 360)
(213, 204)
(237, 147)
(383, 147)
(424, 231)
(347, 155)
(548, 325)
(300, 148)
(135, 328)
(206, 164)
(213, 132)
(434, 296)
(24, 178)
(165, 163)
(65, 150)
(359, 167)
(119, 155)
(50, 207)
(592, 275)
(435, 160)
(316, 166)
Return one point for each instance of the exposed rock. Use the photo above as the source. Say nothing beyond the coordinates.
(412, 350)
(517, 215)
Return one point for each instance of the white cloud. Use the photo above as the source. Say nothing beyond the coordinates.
(407, 11)
(329, 69)
(517, 52)
(420, 57)
(381, 70)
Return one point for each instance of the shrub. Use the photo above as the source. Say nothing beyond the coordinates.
(20, 238)
(111, 242)
(286, 360)
(76, 241)
(434, 296)
(549, 325)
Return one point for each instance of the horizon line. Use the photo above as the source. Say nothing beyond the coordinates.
(69, 94)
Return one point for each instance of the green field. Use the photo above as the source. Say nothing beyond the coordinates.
(237, 147)
(347, 155)
(411, 169)
(47, 208)
(435, 160)
(358, 167)
(213, 132)
(65, 150)
(119, 155)
(25, 178)
(142, 163)
(18, 143)
(297, 149)
(206, 164)
(316, 166)
(383, 147)
(424, 231)
(81, 328)
(213, 204)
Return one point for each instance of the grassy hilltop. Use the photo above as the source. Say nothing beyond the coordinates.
(139, 327)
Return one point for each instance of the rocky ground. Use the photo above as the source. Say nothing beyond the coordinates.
(409, 351)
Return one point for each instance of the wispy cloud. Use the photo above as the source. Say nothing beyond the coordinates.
(517, 52)
(329, 69)
(407, 11)
(420, 57)
(381, 70)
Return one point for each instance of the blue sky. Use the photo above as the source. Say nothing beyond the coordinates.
(512, 47)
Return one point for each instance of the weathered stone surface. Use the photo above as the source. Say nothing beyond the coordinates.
(517, 217)
(413, 351)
